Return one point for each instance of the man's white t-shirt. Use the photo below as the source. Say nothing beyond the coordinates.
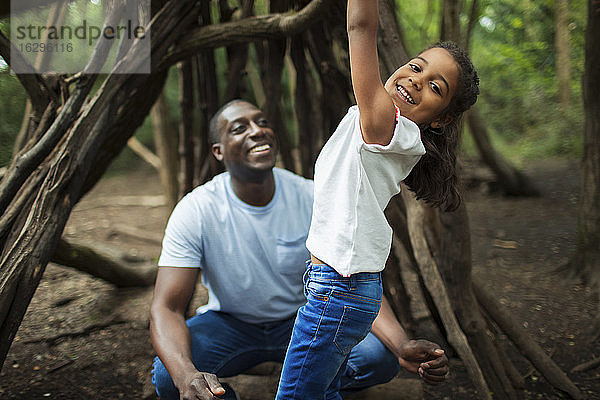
(252, 258)
(354, 181)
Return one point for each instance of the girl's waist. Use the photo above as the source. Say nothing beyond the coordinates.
(319, 268)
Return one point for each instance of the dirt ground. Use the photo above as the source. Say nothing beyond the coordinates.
(82, 338)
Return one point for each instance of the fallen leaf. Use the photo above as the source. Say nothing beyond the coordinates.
(505, 244)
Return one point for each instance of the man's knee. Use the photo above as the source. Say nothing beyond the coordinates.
(384, 367)
(370, 363)
(165, 388)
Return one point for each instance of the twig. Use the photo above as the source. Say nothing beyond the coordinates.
(138, 234)
(145, 154)
(593, 363)
(73, 334)
(59, 366)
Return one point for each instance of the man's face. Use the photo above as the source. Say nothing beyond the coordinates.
(248, 144)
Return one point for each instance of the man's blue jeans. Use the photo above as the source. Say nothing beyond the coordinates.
(337, 316)
(225, 346)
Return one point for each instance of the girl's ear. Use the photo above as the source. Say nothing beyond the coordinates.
(217, 152)
(441, 122)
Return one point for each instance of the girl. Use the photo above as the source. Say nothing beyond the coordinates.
(405, 130)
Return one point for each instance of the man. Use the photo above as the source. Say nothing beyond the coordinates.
(245, 230)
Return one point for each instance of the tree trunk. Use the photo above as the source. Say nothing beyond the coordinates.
(455, 267)
(186, 126)
(273, 68)
(208, 104)
(165, 140)
(511, 181)
(474, 14)
(335, 82)
(396, 293)
(450, 23)
(437, 289)
(237, 55)
(563, 53)
(586, 262)
(390, 42)
(304, 117)
(32, 115)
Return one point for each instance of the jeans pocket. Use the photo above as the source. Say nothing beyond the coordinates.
(318, 290)
(354, 326)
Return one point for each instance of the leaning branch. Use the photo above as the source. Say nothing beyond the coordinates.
(437, 289)
(26, 163)
(528, 347)
(591, 364)
(262, 27)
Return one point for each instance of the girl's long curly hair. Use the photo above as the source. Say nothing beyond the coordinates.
(434, 178)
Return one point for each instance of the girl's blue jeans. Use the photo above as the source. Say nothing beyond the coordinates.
(225, 346)
(338, 314)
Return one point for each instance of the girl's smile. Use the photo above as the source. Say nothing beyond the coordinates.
(423, 87)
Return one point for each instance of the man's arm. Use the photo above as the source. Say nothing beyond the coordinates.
(170, 335)
(417, 356)
(377, 111)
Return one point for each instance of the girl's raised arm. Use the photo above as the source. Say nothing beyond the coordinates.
(377, 111)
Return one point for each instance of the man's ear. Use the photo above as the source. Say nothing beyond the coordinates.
(441, 122)
(216, 150)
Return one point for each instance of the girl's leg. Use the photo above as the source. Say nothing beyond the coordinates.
(338, 315)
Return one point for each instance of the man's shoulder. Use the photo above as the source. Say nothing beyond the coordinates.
(211, 192)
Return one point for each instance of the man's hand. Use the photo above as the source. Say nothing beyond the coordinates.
(425, 358)
(201, 386)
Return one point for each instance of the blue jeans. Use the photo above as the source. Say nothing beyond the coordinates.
(338, 315)
(225, 346)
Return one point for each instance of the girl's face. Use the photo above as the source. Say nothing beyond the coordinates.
(423, 87)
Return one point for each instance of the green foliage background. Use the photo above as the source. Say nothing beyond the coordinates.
(512, 47)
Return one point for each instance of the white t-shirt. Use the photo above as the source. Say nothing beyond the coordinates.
(354, 181)
(252, 258)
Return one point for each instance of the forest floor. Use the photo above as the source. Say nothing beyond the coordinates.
(83, 338)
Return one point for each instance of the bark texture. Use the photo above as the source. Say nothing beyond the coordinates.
(586, 262)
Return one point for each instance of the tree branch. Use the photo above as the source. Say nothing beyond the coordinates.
(528, 347)
(6, 7)
(436, 287)
(34, 84)
(104, 262)
(25, 163)
(262, 27)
